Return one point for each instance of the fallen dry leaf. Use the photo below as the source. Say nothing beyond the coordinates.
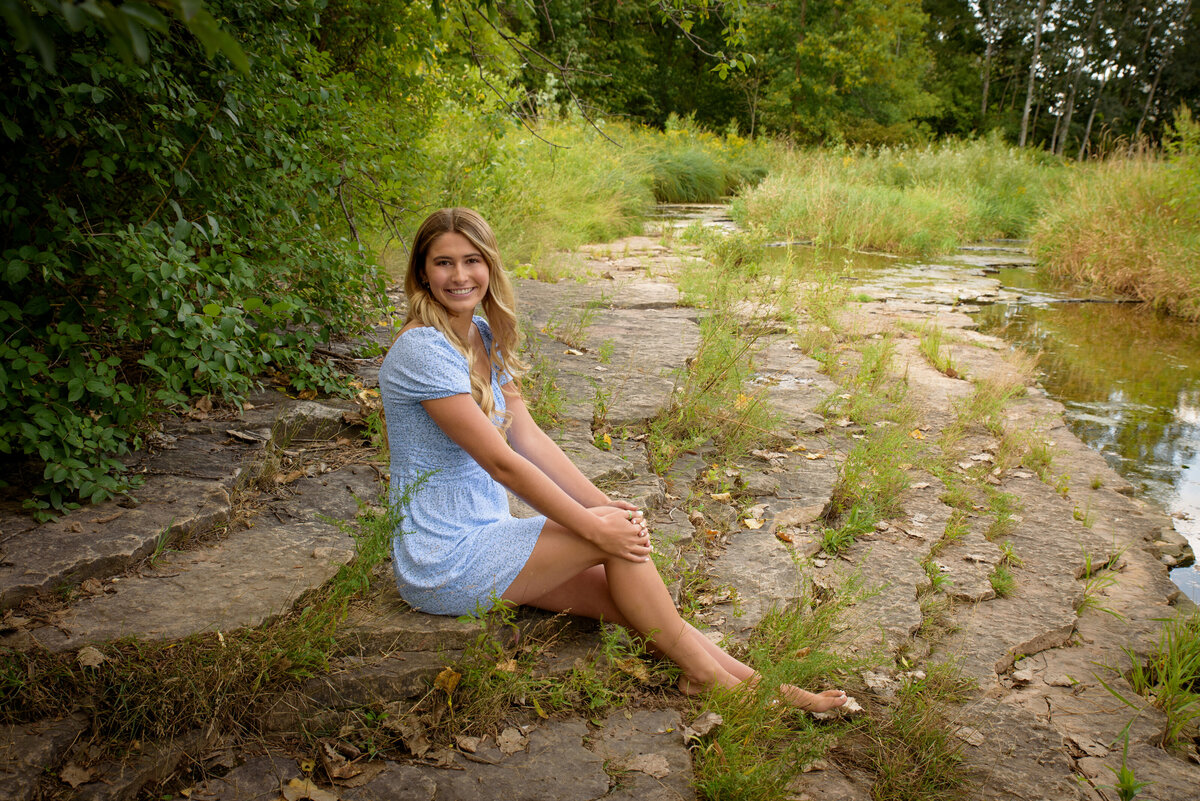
(813, 456)
(702, 726)
(783, 535)
(90, 656)
(723, 497)
(511, 741)
(366, 773)
(651, 764)
(298, 789)
(447, 680)
(796, 447)
(335, 757)
(753, 523)
(917, 433)
(75, 775)
(632, 666)
(467, 744)
(507, 666)
(91, 587)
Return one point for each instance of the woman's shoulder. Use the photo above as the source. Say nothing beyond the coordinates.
(420, 342)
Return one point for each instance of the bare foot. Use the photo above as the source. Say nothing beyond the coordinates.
(788, 693)
(811, 702)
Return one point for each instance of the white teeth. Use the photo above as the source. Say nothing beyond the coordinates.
(459, 291)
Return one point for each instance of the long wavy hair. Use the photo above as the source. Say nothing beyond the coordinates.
(498, 302)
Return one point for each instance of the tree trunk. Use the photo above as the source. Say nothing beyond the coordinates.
(1087, 131)
(1087, 50)
(989, 35)
(1033, 65)
(1166, 58)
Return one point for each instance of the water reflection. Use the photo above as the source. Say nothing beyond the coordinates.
(1130, 381)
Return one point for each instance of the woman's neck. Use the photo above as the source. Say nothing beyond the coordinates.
(462, 326)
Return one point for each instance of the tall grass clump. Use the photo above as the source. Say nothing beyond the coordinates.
(1131, 224)
(915, 201)
(760, 747)
(690, 165)
(713, 398)
(555, 185)
(1171, 675)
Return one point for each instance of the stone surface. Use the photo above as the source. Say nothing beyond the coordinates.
(764, 572)
(246, 579)
(1021, 757)
(259, 779)
(649, 736)
(554, 766)
(396, 677)
(27, 750)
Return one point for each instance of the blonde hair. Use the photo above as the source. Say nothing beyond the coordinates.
(498, 302)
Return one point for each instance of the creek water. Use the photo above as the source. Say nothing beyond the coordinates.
(1130, 382)
(1128, 378)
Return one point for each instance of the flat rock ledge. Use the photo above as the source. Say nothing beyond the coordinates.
(1041, 723)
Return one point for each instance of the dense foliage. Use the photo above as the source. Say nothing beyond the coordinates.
(171, 229)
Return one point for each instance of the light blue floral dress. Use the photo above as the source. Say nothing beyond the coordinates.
(457, 545)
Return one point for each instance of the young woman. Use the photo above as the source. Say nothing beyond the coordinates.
(460, 434)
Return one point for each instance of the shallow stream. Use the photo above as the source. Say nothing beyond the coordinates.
(1129, 379)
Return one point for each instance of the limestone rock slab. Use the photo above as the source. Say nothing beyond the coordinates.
(104, 539)
(27, 751)
(1021, 757)
(245, 580)
(652, 734)
(259, 779)
(764, 572)
(398, 676)
(555, 766)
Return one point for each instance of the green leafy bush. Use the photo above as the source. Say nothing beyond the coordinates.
(171, 229)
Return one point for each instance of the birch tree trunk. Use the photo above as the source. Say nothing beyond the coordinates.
(1033, 65)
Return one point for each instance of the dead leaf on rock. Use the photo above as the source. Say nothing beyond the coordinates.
(796, 447)
(920, 485)
(507, 666)
(783, 535)
(298, 789)
(511, 741)
(970, 736)
(91, 587)
(366, 773)
(723, 497)
(814, 456)
(753, 523)
(336, 759)
(90, 656)
(917, 433)
(411, 732)
(75, 775)
(651, 764)
(465, 743)
(702, 726)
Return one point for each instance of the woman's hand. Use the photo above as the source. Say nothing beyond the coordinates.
(622, 532)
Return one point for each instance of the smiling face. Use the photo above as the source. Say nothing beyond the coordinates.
(457, 273)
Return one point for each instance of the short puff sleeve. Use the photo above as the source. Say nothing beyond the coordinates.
(422, 365)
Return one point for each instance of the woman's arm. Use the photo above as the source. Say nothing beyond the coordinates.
(462, 420)
(528, 439)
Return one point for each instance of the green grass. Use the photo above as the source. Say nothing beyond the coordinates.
(760, 749)
(915, 201)
(1170, 676)
(1131, 225)
(713, 399)
(939, 357)
(159, 690)
(1002, 580)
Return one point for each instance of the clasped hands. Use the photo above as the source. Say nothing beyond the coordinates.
(621, 531)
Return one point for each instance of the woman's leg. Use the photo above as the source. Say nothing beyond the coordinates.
(588, 594)
(637, 592)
